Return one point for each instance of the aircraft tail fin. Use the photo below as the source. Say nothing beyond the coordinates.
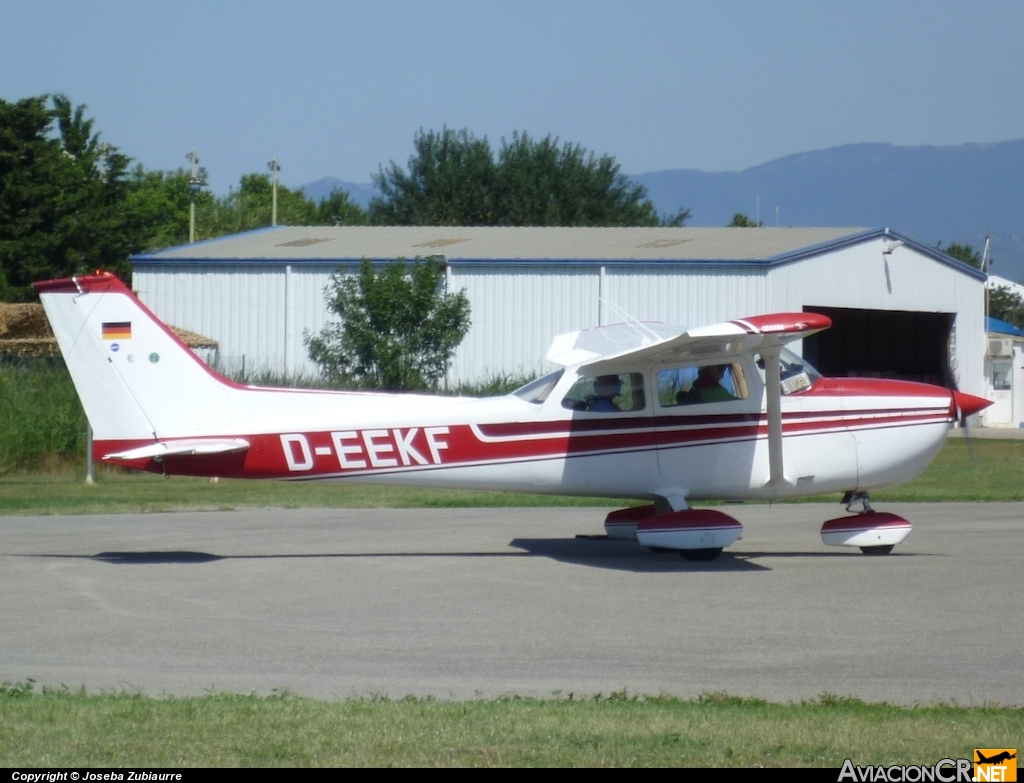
(135, 378)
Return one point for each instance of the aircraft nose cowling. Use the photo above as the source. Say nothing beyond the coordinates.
(968, 404)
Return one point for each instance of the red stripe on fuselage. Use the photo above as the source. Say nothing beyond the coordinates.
(401, 449)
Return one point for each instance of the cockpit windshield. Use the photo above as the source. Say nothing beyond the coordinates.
(537, 391)
(796, 373)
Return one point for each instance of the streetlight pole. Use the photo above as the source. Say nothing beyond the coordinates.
(193, 159)
(274, 168)
(195, 184)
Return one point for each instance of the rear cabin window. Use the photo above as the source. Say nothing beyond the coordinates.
(697, 385)
(607, 393)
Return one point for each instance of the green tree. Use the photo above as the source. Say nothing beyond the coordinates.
(454, 178)
(739, 220)
(542, 183)
(61, 196)
(338, 209)
(677, 219)
(965, 253)
(1006, 305)
(1003, 303)
(398, 328)
(29, 164)
(250, 206)
(450, 181)
(157, 203)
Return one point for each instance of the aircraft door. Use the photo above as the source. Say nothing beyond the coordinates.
(707, 423)
(611, 449)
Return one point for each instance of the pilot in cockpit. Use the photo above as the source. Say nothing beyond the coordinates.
(606, 389)
(709, 384)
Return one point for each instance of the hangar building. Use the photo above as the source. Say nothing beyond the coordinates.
(900, 309)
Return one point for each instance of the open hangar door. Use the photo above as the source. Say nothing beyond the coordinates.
(907, 346)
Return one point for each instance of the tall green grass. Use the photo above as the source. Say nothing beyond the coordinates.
(42, 425)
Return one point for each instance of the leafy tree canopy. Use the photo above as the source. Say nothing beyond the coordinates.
(739, 220)
(965, 253)
(158, 202)
(1006, 305)
(250, 207)
(454, 178)
(71, 203)
(60, 188)
(1003, 303)
(398, 327)
(450, 181)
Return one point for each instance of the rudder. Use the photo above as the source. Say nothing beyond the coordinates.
(135, 378)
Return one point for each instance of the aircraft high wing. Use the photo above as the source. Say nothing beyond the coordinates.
(600, 350)
(637, 410)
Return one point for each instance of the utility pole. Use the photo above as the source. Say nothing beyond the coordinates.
(274, 168)
(196, 181)
(986, 262)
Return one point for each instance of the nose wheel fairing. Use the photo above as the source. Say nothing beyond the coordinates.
(874, 532)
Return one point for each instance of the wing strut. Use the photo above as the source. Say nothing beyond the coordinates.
(773, 393)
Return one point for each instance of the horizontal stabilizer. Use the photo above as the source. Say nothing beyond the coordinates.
(191, 447)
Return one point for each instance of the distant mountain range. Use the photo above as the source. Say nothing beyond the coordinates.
(934, 194)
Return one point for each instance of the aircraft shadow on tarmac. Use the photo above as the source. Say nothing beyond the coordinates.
(592, 551)
(620, 555)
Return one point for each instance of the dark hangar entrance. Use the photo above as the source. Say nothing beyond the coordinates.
(897, 344)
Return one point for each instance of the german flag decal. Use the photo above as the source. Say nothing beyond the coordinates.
(118, 330)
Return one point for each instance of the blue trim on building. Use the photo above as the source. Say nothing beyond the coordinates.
(995, 326)
(156, 259)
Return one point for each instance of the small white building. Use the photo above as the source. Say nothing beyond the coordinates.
(900, 309)
(1004, 375)
(1004, 366)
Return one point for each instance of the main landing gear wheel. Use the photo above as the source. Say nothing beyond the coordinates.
(701, 555)
(877, 550)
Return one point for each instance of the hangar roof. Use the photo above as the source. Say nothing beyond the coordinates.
(486, 242)
(489, 244)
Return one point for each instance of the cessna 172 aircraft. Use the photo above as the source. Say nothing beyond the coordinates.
(638, 410)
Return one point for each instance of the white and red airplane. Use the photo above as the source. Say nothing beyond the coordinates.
(642, 411)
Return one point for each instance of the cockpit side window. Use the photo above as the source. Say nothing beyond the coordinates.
(619, 393)
(698, 384)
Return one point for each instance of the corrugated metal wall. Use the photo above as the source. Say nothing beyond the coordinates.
(261, 311)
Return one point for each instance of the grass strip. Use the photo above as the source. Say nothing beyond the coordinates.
(64, 728)
(119, 492)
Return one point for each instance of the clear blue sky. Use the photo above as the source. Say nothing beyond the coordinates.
(335, 88)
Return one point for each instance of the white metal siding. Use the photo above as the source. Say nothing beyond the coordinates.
(686, 297)
(518, 308)
(515, 311)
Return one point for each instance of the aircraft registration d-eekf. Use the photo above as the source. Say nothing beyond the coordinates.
(638, 410)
